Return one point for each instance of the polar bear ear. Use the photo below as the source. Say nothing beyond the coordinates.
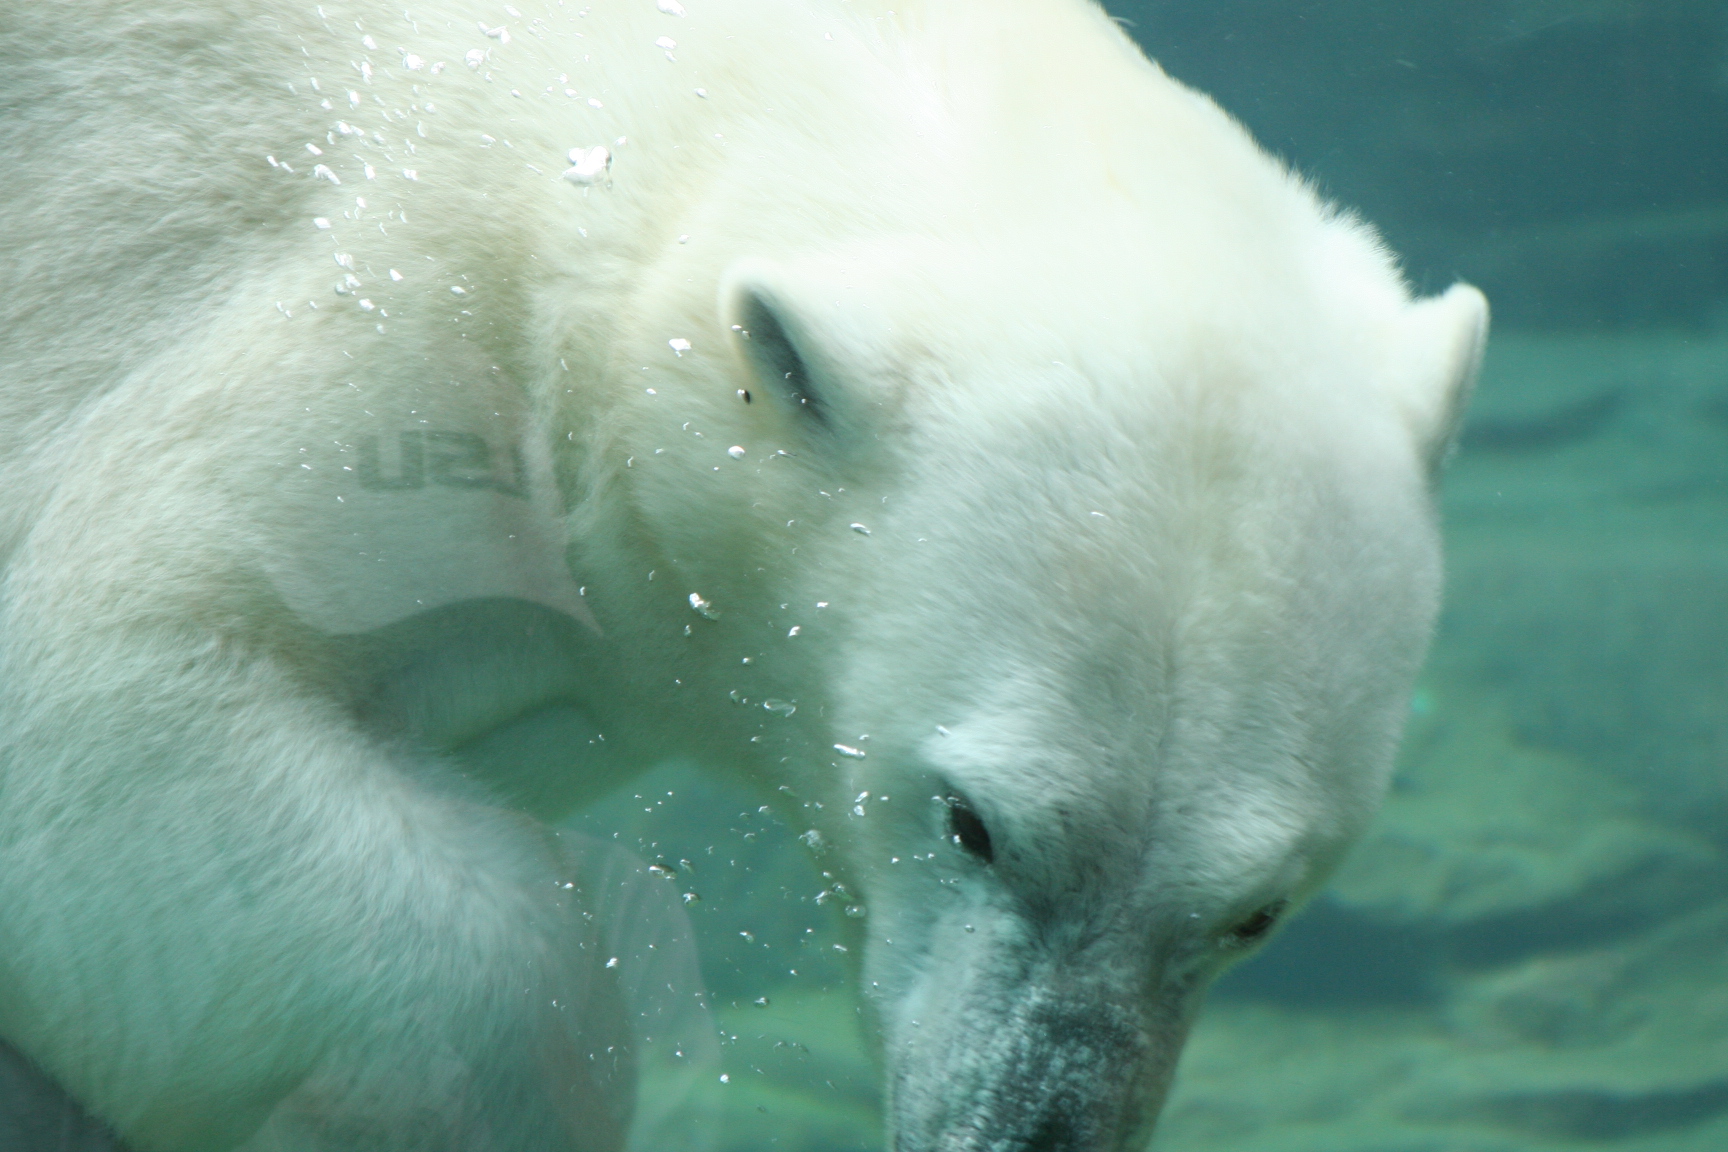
(776, 342)
(1440, 343)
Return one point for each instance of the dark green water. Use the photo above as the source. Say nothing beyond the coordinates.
(1530, 951)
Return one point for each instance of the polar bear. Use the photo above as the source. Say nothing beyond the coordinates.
(414, 422)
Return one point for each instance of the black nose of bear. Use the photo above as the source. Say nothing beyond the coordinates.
(1054, 1133)
(1051, 1134)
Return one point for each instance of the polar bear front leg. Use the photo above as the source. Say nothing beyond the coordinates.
(221, 900)
(586, 1070)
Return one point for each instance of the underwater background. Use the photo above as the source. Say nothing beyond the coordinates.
(1529, 953)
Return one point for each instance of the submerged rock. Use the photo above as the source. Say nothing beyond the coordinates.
(1507, 846)
(1588, 558)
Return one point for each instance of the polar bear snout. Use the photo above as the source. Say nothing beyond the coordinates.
(1047, 1075)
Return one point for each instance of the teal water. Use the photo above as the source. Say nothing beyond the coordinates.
(1529, 953)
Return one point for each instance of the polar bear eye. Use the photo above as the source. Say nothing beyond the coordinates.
(966, 830)
(1256, 926)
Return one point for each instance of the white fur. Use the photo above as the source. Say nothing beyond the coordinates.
(1117, 500)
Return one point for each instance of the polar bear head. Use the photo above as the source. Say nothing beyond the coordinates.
(1096, 629)
(1071, 553)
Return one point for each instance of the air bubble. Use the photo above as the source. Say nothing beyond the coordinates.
(588, 164)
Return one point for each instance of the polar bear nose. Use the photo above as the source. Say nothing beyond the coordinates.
(1052, 1134)
(1055, 1133)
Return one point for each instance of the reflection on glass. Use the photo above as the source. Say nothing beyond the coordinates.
(806, 576)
